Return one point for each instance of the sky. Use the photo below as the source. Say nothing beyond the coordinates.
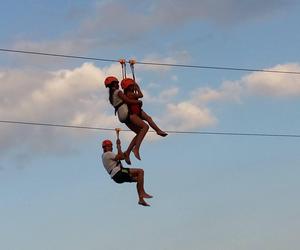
(212, 192)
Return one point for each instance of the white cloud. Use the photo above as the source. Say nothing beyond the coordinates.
(78, 97)
(270, 84)
(75, 97)
(229, 90)
(257, 84)
(186, 115)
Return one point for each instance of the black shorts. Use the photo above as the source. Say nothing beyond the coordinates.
(123, 176)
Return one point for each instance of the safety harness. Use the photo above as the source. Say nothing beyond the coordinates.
(124, 75)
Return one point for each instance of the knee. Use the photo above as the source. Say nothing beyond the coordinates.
(146, 127)
(141, 172)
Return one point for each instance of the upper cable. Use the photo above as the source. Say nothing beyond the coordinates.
(151, 63)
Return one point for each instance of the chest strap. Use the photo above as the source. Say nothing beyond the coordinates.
(119, 164)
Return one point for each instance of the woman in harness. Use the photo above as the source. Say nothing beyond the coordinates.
(118, 100)
(133, 121)
(137, 115)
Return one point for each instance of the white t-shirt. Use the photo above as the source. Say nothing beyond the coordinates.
(123, 109)
(110, 164)
(116, 100)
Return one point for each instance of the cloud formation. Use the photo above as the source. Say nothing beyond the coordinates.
(279, 85)
(184, 116)
(254, 84)
(75, 97)
(229, 90)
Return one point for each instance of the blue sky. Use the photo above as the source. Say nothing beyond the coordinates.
(210, 192)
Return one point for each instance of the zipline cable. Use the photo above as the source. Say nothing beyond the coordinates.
(151, 63)
(58, 55)
(168, 131)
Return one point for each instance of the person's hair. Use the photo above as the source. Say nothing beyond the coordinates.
(111, 93)
(112, 89)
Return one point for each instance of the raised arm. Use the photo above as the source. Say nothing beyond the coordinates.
(120, 155)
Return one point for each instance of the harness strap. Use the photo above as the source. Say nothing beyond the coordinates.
(132, 62)
(119, 163)
(123, 65)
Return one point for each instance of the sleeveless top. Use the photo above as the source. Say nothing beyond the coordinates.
(122, 107)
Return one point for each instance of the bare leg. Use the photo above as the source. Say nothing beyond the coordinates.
(135, 129)
(136, 120)
(138, 176)
(127, 152)
(152, 124)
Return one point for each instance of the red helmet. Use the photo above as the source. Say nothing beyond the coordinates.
(106, 143)
(125, 83)
(109, 80)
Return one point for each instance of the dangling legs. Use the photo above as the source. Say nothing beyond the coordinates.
(152, 124)
(136, 130)
(138, 176)
(130, 147)
(136, 120)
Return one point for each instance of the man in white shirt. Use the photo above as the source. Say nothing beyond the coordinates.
(112, 164)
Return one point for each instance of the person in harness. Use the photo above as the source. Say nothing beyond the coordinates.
(137, 115)
(128, 109)
(112, 164)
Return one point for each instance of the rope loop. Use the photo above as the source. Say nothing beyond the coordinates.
(132, 62)
(122, 61)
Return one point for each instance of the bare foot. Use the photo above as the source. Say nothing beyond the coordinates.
(126, 158)
(143, 203)
(162, 133)
(147, 196)
(136, 153)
